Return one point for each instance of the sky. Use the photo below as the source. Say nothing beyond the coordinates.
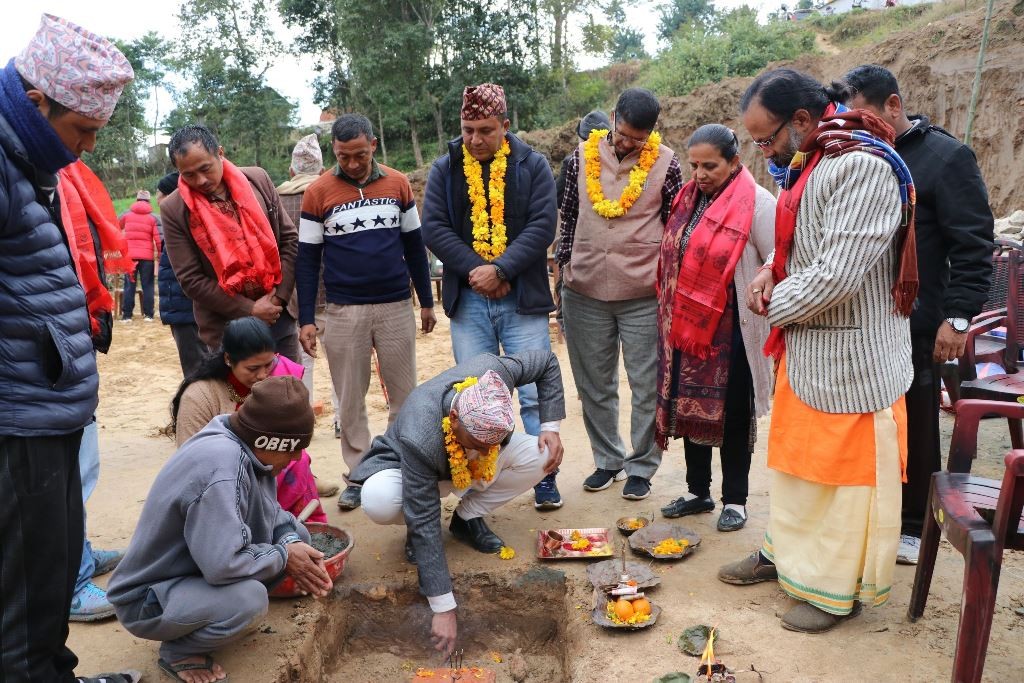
(290, 75)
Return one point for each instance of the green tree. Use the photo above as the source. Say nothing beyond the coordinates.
(675, 14)
(735, 45)
(227, 47)
(117, 157)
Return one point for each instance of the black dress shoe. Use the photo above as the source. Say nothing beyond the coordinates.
(475, 533)
(410, 553)
(681, 507)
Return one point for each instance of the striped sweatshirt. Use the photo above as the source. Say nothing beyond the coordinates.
(847, 350)
(367, 239)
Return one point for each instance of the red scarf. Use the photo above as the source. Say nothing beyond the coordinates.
(83, 198)
(240, 389)
(243, 252)
(905, 288)
(709, 263)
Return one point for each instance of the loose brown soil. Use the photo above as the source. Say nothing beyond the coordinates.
(305, 639)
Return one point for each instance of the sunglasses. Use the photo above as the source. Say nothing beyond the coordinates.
(771, 138)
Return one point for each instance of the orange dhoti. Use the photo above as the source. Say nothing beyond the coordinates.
(835, 500)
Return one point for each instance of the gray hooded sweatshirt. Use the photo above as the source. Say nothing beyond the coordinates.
(212, 512)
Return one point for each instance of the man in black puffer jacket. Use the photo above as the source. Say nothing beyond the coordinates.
(953, 225)
(54, 97)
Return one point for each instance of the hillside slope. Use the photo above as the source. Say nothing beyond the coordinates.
(935, 67)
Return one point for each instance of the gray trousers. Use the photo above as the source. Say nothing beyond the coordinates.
(190, 617)
(594, 331)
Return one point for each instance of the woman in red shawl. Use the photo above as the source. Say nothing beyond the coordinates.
(713, 380)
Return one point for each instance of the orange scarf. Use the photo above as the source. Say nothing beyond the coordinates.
(243, 251)
(83, 198)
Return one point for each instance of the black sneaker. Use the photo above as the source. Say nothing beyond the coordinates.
(680, 507)
(602, 479)
(545, 494)
(350, 498)
(636, 488)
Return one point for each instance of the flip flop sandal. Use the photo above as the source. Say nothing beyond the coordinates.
(128, 676)
(172, 670)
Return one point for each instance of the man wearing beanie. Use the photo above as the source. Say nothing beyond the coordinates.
(454, 435)
(54, 97)
(212, 538)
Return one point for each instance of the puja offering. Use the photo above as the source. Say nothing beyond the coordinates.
(605, 576)
(625, 605)
(573, 544)
(629, 525)
(664, 541)
(455, 671)
(711, 669)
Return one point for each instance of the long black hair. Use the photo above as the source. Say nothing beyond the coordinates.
(243, 338)
(783, 91)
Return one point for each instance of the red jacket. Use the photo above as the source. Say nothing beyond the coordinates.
(140, 229)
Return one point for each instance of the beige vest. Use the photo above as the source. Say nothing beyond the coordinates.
(617, 259)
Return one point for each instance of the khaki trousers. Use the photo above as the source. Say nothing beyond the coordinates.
(351, 332)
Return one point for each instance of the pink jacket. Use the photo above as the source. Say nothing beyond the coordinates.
(140, 230)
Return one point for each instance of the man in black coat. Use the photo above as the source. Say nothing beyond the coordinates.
(954, 259)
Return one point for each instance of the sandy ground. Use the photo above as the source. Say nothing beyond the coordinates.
(141, 373)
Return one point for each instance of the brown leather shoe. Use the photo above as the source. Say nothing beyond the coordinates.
(752, 569)
(806, 618)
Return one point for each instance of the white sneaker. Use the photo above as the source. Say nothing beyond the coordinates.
(910, 547)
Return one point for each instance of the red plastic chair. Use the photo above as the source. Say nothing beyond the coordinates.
(981, 518)
(1000, 310)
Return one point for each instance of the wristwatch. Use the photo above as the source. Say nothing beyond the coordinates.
(499, 272)
(959, 325)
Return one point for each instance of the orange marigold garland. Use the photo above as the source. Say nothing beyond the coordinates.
(614, 208)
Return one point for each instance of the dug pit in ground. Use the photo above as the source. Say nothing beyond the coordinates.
(377, 633)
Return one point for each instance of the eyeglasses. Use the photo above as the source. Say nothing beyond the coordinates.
(639, 141)
(771, 138)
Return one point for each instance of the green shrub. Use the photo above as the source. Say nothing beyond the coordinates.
(734, 45)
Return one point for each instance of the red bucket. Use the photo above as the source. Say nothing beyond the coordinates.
(335, 564)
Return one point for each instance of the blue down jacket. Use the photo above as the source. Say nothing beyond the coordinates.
(48, 380)
(175, 307)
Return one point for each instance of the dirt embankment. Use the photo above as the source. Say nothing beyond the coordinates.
(935, 67)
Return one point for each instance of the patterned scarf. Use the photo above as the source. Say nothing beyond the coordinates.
(839, 132)
(241, 248)
(700, 274)
(83, 199)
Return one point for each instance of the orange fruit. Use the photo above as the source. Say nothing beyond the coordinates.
(641, 606)
(623, 609)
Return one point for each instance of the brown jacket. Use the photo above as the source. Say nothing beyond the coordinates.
(213, 307)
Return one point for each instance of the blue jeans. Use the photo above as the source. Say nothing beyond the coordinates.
(143, 278)
(89, 468)
(483, 325)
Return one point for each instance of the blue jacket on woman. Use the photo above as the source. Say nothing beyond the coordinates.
(48, 372)
(175, 307)
(530, 217)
